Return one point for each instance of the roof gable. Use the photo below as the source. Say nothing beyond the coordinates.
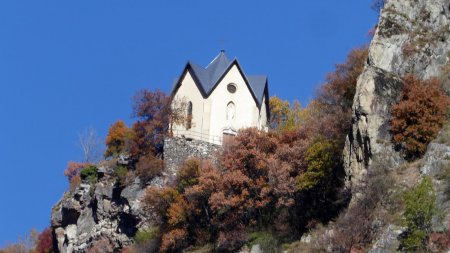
(208, 78)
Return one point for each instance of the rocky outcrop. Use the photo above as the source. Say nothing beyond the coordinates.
(91, 212)
(388, 241)
(413, 37)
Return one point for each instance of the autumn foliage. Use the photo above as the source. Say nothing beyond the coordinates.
(155, 111)
(44, 242)
(149, 166)
(72, 172)
(418, 116)
(118, 136)
(255, 188)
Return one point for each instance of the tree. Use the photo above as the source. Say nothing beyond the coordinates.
(283, 115)
(118, 137)
(90, 145)
(174, 240)
(419, 115)
(419, 209)
(156, 112)
(329, 115)
(320, 165)
(279, 110)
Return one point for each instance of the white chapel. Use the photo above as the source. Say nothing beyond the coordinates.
(221, 99)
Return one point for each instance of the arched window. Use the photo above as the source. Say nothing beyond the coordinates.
(189, 116)
(231, 112)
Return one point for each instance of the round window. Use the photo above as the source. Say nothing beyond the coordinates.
(231, 88)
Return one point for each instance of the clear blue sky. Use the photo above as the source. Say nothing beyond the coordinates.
(68, 65)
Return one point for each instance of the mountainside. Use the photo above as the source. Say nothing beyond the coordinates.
(412, 37)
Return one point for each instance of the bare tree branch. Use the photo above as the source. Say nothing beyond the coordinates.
(90, 145)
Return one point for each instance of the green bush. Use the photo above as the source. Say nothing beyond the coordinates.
(147, 240)
(145, 235)
(121, 173)
(89, 174)
(419, 210)
(319, 158)
(267, 242)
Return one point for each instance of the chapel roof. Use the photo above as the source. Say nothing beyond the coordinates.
(208, 78)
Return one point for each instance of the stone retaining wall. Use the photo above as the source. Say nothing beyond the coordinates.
(177, 150)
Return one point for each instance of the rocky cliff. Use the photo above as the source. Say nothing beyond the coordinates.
(100, 211)
(412, 37)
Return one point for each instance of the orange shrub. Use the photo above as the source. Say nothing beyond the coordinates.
(418, 116)
(188, 173)
(158, 200)
(117, 138)
(148, 167)
(174, 240)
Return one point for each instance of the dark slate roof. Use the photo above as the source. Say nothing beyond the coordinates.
(208, 78)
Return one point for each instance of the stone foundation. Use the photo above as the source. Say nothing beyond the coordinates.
(178, 149)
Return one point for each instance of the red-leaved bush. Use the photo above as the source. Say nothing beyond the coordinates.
(419, 115)
(44, 242)
(72, 172)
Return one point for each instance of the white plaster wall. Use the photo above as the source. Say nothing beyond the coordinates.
(247, 112)
(188, 91)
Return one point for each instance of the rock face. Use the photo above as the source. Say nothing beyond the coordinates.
(388, 240)
(104, 210)
(413, 37)
(436, 165)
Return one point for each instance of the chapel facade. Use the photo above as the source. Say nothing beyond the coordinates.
(220, 99)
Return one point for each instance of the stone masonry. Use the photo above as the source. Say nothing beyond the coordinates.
(177, 150)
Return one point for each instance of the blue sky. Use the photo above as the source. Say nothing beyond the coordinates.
(69, 65)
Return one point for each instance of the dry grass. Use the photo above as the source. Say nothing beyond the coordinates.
(407, 175)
